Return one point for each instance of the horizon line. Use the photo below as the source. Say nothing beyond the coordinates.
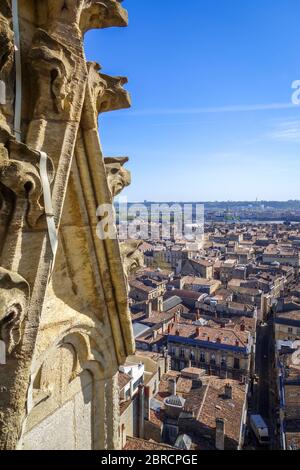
(210, 202)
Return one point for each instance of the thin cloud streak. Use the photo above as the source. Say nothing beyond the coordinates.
(287, 131)
(211, 110)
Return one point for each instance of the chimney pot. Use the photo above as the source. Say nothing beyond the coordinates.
(172, 387)
(228, 391)
(220, 434)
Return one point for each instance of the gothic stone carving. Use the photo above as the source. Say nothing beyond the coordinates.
(14, 293)
(54, 68)
(108, 93)
(133, 258)
(19, 173)
(117, 176)
(86, 14)
(107, 13)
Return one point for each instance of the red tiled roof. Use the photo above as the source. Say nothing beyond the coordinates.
(133, 443)
(123, 380)
(228, 336)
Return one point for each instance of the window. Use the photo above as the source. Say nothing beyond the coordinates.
(290, 330)
(224, 361)
(213, 359)
(202, 357)
(236, 364)
(182, 353)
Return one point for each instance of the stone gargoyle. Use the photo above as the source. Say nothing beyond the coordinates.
(19, 173)
(14, 295)
(117, 176)
(54, 68)
(83, 14)
(132, 257)
(108, 92)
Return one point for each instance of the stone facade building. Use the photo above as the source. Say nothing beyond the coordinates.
(225, 351)
(64, 317)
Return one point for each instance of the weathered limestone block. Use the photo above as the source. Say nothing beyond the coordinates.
(71, 369)
(112, 411)
(118, 177)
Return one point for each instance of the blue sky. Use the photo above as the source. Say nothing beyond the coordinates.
(210, 82)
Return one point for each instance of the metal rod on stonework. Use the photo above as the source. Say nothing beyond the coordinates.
(18, 67)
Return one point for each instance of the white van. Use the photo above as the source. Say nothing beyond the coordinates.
(260, 429)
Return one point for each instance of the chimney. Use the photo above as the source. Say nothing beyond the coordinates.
(141, 411)
(147, 403)
(243, 327)
(172, 386)
(167, 361)
(149, 309)
(154, 335)
(237, 343)
(198, 331)
(219, 340)
(220, 434)
(169, 328)
(177, 333)
(228, 391)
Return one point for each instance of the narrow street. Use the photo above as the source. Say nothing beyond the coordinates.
(262, 400)
(263, 361)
